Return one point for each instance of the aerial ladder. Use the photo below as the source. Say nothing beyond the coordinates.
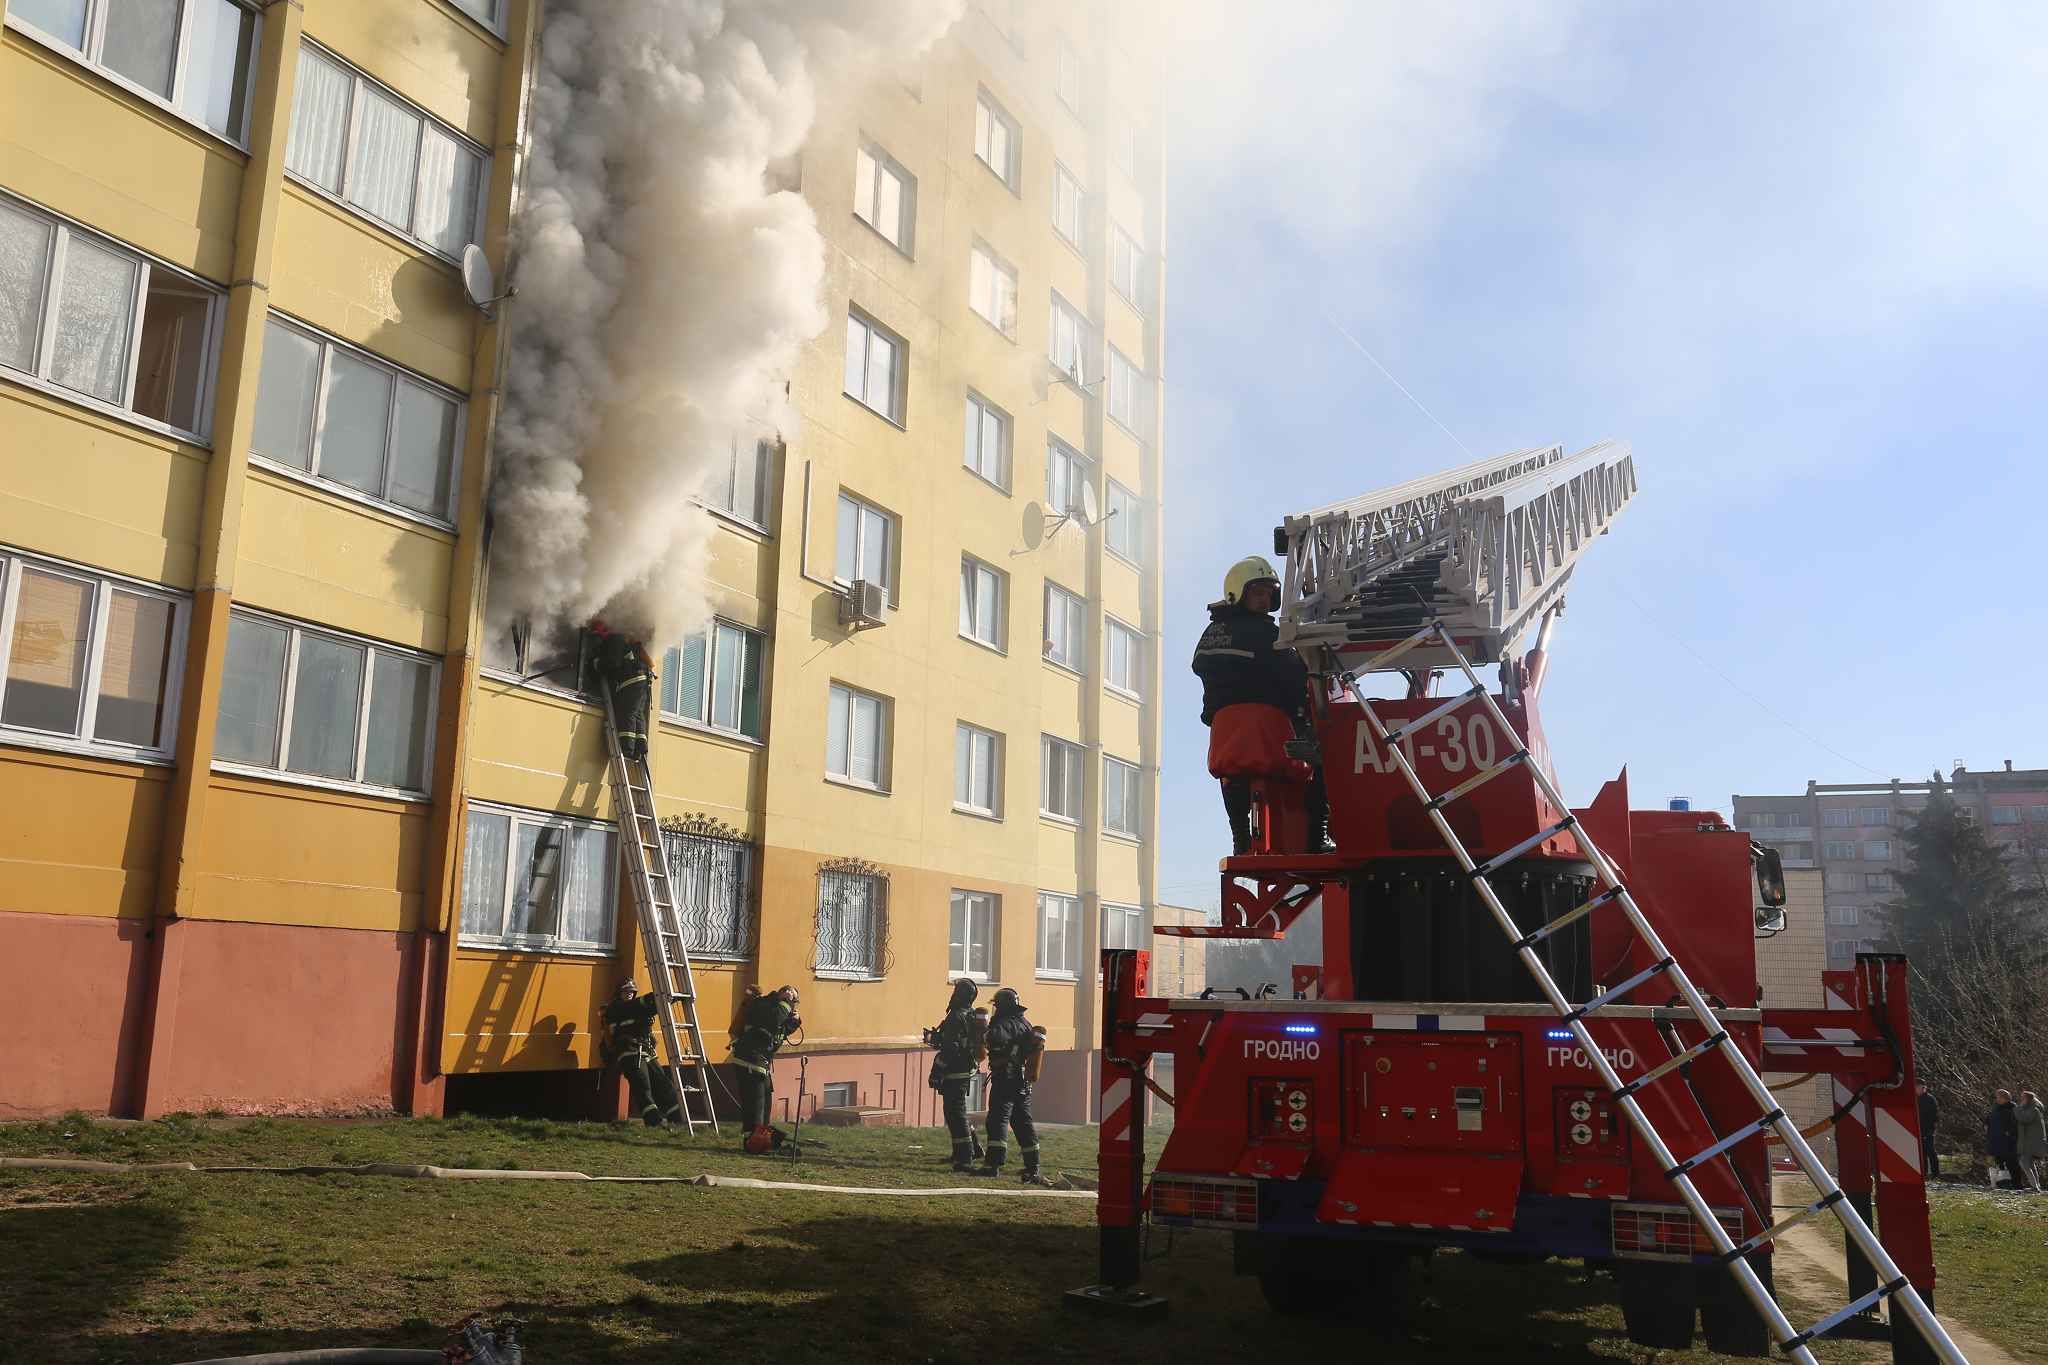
(673, 983)
(1448, 574)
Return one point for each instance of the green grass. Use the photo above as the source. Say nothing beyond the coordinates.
(131, 1268)
(1991, 1264)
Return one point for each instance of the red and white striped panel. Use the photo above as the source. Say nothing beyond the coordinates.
(1116, 1105)
(1898, 1151)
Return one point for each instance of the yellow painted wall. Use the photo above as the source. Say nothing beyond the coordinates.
(326, 558)
(81, 834)
(281, 853)
(80, 146)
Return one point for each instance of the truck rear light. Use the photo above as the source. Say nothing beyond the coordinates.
(1198, 1202)
(1667, 1232)
(1284, 1110)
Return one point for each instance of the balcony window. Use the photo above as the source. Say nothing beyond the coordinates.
(196, 59)
(1124, 661)
(1066, 625)
(1123, 926)
(885, 196)
(1060, 778)
(713, 678)
(537, 881)
(1123, 529)
(1122, 798)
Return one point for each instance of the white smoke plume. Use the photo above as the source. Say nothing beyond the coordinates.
(664, 289)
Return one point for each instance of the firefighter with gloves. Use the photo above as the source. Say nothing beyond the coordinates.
(958, 1040)
(629, 1022)
(1016, 1049)
(625, 669)
(763, 1024)
(1253, 693)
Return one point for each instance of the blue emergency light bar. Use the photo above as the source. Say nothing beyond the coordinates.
(1561, 1035)
(1298, 1028)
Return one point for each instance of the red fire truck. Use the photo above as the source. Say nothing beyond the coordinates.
(1531, 1031)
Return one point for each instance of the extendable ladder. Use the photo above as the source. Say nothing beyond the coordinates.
(1891, 1283)
(661, 929)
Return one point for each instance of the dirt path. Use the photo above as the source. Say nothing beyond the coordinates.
(1809, 1265)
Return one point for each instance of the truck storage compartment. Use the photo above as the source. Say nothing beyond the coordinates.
(1420, 932)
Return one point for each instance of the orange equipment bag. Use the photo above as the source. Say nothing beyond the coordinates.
(1249, 739)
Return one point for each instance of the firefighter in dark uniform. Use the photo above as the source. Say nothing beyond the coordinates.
(1253, 695)
(957, 1040)
(1015, 1047)
(763, 1024)
(630, 1022)
(624, 668)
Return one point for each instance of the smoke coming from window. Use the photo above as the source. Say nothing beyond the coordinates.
(665, 289)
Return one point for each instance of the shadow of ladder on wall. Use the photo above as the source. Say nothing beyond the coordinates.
(661, 931)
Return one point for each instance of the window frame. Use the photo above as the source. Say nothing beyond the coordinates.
(1083, 339)
(1111, 628)
(1838, 817)
(1872, 817)
(712, 676)
(1067, 64)
(322, 379)
(1122, 244)
(1075, 759)
(1133, 379)
(877, 907)
(553, 944)
(964, 903)
(104, 585)
(1073, 923)
(1133, 514)
(989, 111)
(1077, 666)
(1832, 849)
(494, 26)
(899, 377)
(979, 407)
(1878, 881)
(351, 137)
(675, 839)
(968, 731)
(287, 696)
(906, 201)
(892, 528)
(1881, 857)
(1131, 778)
(2005, 815)
(1132, 917)
(883, 727)
(95, 40)
(984, 260)
(1063, 181)
(50, 314)
(1001, 641)
(1080, 470)
(764, 487)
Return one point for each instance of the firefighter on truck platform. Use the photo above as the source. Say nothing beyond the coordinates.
(1016, 1049)
(958, 1040)
(763, 1024)
(1253, 693)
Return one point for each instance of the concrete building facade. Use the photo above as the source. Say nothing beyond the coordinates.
(1851, 834)
(291, 834)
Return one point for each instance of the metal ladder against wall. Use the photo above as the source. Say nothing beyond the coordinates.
(1891, 1283)
(661, 929)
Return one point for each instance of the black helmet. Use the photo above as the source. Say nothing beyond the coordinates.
(963, 994)
(628, 987)
(1007, 1001)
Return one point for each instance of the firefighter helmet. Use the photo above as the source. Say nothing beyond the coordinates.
(1006, 1000)
(964, 991)
(628, 988)
(1246, 572)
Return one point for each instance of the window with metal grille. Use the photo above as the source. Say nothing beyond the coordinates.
(713, 869)
(853, 921)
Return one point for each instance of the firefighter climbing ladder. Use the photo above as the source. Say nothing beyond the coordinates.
(661, 931)
(1435, 638)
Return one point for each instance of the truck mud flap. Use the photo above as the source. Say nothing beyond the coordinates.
(1450, 1190)
(1272, 1161)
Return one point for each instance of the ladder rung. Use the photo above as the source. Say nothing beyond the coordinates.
(1401, 732)
(1742, 1134)
(1843, 1314)
(1606, 998)
(1665, 1068)
(1386, 656)
(1771, 1234)
(1568, 918)
(1514, 759)
(1502, 860)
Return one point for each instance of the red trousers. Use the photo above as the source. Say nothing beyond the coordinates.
(1250, 740)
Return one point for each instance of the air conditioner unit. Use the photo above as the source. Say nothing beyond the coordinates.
(862, 604)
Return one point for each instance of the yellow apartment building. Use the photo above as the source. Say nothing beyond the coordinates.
(287, 832)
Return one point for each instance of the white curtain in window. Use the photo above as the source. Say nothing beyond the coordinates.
(284, 396)
(449, 173)
(383, 171)
(586, 887)
(483, 874)
(319, 135)
(24, 264)
(142, 39)
(95, 318)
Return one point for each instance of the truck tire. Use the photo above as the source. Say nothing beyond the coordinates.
(1657, 1302)
(1291, 1278)
(1728, 1320)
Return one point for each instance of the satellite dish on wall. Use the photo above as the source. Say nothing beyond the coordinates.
(1088, 511)
(477, 282)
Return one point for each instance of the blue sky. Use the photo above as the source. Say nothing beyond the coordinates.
(1796, 255)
